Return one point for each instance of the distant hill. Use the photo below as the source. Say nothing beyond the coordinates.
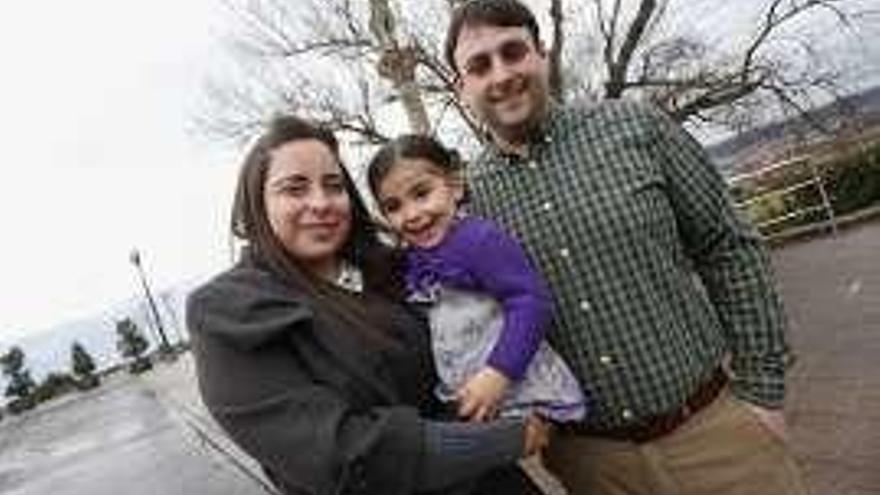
(49, 350)
(746, 148)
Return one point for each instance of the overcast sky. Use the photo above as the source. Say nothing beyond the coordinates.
(96, 103)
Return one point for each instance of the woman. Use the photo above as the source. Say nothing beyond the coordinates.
(306, 359)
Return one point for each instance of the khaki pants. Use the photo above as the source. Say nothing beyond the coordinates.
(722, 450)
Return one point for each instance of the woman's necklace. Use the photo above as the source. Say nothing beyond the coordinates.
(350, 278)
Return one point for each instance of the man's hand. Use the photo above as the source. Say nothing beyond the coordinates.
(478, 399)
(772, 419)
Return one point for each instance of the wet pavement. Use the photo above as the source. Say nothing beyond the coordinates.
(115, 439)
(151, 435)
(831, 287)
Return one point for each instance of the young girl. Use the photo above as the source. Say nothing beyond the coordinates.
(489, 308)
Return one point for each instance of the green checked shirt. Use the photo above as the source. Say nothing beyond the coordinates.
(656, 276)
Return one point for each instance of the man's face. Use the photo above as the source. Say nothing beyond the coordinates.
(503, 78)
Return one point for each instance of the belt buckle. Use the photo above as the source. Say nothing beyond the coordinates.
(663, 424)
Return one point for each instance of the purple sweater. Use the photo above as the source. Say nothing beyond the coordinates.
(478, 255)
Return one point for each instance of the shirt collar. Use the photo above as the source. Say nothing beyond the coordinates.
(544, 133)
(350, 278)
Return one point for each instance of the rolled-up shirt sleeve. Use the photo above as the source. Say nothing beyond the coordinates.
(732, 262)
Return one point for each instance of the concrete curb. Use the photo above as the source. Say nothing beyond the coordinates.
(812, 231)
(175, 388)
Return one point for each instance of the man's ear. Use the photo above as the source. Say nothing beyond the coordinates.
(541, 49)
(463, 101)
(457, 85)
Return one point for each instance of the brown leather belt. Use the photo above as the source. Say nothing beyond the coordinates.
(657, 426)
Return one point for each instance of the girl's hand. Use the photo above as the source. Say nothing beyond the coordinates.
(478, 399)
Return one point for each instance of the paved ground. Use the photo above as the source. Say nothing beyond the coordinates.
(831, 286)
(832, 289)
(175, 387)
(112, 440)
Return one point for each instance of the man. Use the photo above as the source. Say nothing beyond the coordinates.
(666, 308)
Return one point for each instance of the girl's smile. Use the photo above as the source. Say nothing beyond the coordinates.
(420, 201)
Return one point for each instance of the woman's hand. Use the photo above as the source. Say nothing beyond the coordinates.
(537, 435)
(478, 399)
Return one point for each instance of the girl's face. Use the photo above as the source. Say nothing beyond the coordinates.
(307, 204)
(420, 200)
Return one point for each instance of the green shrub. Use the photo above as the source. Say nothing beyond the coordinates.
(851, 182)
(855, 184)
(55, 385)
(140, 365)
(21, 404)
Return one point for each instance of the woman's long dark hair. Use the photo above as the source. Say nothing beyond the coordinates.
(250, 223)
(249, 220)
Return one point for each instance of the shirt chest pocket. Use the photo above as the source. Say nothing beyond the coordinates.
(627, 205)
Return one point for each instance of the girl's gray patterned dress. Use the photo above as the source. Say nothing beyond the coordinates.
(464, 328)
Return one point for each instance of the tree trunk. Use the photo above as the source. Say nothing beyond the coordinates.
(619, 67)
(398, 64)
(555, 55)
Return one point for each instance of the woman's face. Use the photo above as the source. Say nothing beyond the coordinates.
(307, 204)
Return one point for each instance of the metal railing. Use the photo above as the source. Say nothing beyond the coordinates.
(756, 197)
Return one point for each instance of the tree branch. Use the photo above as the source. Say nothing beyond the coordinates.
(617, 71)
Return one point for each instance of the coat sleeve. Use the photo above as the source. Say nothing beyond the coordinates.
(306, 434)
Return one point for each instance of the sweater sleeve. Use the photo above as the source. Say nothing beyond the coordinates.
(458, 451)
(501, 268)
(304, 431)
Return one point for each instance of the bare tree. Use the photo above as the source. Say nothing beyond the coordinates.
(557, 18)
(373, 68)
(775, 67)
(338, 61)
(397, 64)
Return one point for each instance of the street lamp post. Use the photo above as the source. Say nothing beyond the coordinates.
(135, 258)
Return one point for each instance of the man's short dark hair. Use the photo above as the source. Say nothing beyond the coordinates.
(498, 13)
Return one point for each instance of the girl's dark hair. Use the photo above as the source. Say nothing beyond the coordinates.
(411, 146)
(495, 13)
(251, 224)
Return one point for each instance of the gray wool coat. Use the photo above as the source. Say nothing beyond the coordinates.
(322, 408)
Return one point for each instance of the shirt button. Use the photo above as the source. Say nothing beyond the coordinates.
(606, 360)
(547, 206)
(585, 305)
(626, 414)
(548, 139)
(532, 164)
(564, 252)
